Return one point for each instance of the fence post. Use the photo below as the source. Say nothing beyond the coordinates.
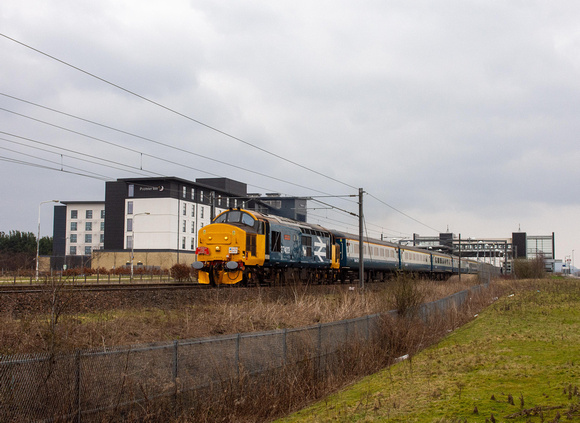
(285, 346)
(175, 373)
(238, 354)
(78, 386)
(318, 370)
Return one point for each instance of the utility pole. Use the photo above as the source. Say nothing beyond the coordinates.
(361, 266)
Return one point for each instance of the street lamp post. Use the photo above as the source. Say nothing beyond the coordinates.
(38, 235)
(133, 240)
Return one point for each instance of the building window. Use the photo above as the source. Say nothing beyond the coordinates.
(193, 194)
(87, 251)
(184, 192)
(73, 238)
(102, 226)
(88, 238)
(201, 196)
(129, 207)
(89, 214)
(192, 227)
(73, 226)
(73, 250)
(129, 225)
(184, 226)
(129, 241)
(193, 210)
(88, 226)
(183, 243)
(184, 211)
(201, 212)
(74, 214)
(102, 240)
(193, 243)
(131, 192)
(102, 214)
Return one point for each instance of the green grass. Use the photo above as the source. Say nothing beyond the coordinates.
(525, 347)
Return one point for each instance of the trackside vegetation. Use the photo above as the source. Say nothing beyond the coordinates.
(517, 361)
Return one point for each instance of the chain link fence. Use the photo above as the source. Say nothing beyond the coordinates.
(89, 385)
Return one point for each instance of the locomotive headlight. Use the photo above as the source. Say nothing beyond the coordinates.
(217, 248)
(225, 238)
(209, 237)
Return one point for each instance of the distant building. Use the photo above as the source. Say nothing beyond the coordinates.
(78, 230)
(499, 251)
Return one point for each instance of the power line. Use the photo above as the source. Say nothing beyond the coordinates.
(72, 157)
(143, 138)
(177, 113)
(403, 213)
(22, 162)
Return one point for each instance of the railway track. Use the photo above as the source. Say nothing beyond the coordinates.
(37, 288)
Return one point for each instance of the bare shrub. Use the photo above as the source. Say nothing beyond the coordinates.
(407, 293)
(180, 272)
(530, 269)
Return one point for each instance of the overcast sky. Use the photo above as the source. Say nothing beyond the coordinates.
(463, 115)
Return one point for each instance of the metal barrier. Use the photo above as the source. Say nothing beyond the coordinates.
(84, 385)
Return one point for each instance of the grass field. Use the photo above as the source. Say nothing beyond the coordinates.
(518, 361)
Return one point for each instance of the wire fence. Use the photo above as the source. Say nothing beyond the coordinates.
(88, 385)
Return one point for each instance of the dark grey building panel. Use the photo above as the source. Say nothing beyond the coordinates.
(59, 231)
(226, 185)
(519, 244)
(115, 194)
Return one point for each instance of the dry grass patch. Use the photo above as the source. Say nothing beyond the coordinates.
(61, 325)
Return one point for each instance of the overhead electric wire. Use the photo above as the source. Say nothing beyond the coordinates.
(403, 213)
(72, 157)
(76, 152)
(51, 161)
(22, 162)
(176, 112)
(146, 139)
